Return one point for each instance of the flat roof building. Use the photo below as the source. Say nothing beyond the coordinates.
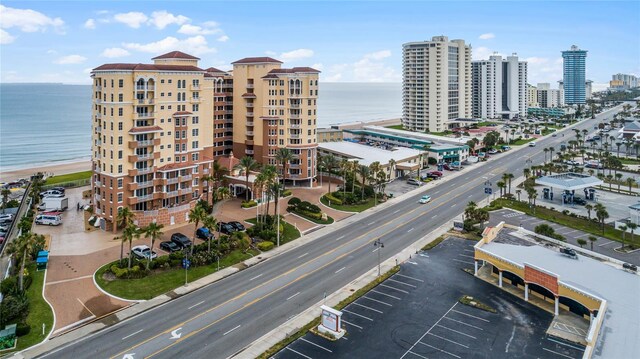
(574, 76)
(499, 87)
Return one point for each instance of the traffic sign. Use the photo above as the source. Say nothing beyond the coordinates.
(186, 263)
(488, 190)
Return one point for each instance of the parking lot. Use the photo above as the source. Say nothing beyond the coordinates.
(416, 314)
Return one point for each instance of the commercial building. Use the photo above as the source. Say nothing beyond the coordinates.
(548, 97)
(623, 82)
(532, 96)
(157, 129)
(276, 108)
(436, 83)
(499, 87)
(574, 76)
(329, 135)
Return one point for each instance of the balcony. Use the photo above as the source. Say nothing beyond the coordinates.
(171, 194)
(143, 157)
(143, 101)
(294, 135)
(249, 114)
(97, 197)
(98, 88)
(98, 115)
(140, 171)
(295, 126)
(172, 180)
(98, 129)
(186, 190)
(249, 133)
(98, 183)
(249, 104)
(98, 100)
(294, 116)
(144, 143)
(185, 178)
(145, 88)
(249, 86)
(295, 105)
(195, 100)
(195, 87)
(249, 152)
(294, 165)
(97, 170)
(142, 115)
(250, 123)
(138, 199)
(138, 130)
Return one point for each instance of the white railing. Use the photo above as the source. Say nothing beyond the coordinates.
(146, 197)
(186, 178)
(172, 180)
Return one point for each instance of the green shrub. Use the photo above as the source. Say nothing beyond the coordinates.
(13, 203)
(285, 193)
(329, 197)
(13, 306)
(265, 246)
(9, 285)
(176, 262)
(306, 206)
(249, 204)
(22, 329)
(294, 201)
(27, 282)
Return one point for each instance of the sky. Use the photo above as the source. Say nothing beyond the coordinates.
(349, 41)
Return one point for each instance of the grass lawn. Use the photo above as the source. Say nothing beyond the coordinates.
(570, 221)
(39, 312)
(629, 161)
(486, 123)
(289, 233)
(349, 208)
(396, 127)
(161, 282)
(68, 177)
(522, 141)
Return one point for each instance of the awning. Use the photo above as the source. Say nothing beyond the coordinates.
(408, 167)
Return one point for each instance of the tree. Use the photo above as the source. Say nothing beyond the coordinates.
(210, 223)
(618, 180)
(196, 215)
(508, 177)
(545, 230)
(601, 214)
(501, 185)
(246, 165)
(526, 172)
(129, 233)
(284, 156)
(392, 165)
(345, 167)
(125, 217)
(5, 197)
(632, 226)
(470, 211)
(518, 192)
(491, 139)
(153, 231)
(624, 231)
(630, 181)
(330, 162)
(21, 247)
(589, 208)
(582, 242)
(364, 172)
(592, 239)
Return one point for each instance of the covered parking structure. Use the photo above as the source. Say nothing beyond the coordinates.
(568, 183)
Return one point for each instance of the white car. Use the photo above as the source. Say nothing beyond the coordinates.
(143, 252)
(532, 144)
(425, 199)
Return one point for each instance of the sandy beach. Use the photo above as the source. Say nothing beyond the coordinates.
(56, 169)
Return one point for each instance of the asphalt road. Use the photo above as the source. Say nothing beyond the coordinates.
(224, 317)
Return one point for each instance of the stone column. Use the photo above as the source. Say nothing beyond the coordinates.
(475, 267)
(591, 317)
(500, 279)
(526, 292)
(556, 305)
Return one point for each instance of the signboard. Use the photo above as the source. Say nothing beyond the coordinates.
(186, 263)
(458, 226)
(488, 190)
(331, 318)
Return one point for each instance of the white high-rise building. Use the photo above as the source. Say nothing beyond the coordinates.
(532, 96)
(499, 87)
(436, 83)
(548, 97)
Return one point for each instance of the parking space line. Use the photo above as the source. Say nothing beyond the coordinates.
(406, 276)
(407, 284)
(378, 301)
(438, 349)
(466, 255)
(359, 315)
(364, 306)
(604, 244)
(461, 261)
(554, 352)
(416, 354)
(351, 324)
(312, 343)
(463, 323)
(388, 295)
(427, 332)
(449, 340)
(469, 315)
(388, 286)
(453, 330)
(565, 344)
(297, 352)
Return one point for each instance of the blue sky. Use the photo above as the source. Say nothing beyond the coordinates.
(358, 41)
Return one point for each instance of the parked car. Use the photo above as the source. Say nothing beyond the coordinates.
(429, 176)
(143, 252)
(579, 201)
(237, 225)
(492, 151)
(6, 217)
(181, 240)
(204, 234)
(48, 219)
(554, 135)
(51, 193)
(414, 182)
(169, 246)
(59, 189)
(435, 173)
(425, 199)
(226, 228)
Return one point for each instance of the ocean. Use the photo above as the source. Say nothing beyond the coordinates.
(51, 123)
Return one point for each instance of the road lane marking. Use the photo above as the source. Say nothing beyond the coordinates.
(85, 307)
(377, 301)
(434, 216)
(364, 306)
(407, 284)
(390, 287)
(388, 295)
(229, 331)
(256, 277)
(132, 334)
(351, 324)
(438, 349)
(449, 340)
(396, 211)
(453, 330)
(469, 315)
(371, 223)
(339, 238)
(463, 323)
(195, 305)
(297, 352)
(303, 255)
(175, 334)
(412, 228)
(375, 250)
(406, 276)
(340, 270)
(293, 296)
(554, 352)
(359, 315)
(312, 343)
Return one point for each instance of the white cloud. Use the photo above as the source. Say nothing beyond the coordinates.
(318, 66)
(6, 38)
(379, 55)
(28, 20)
(90, 24)
(487, 36)
(543, 69)
(87, 70)
(481, 53)
(595, 87)
(296, 55)
(195, 45)
(370, 68)
(208, 29)
(114, 52)
(70, 60)
(270, 53)
(223, 38)
(161, 19)
(132, 19)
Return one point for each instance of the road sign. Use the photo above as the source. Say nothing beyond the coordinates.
(186, 263)
(488, 190)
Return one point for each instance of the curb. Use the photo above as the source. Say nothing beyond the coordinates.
(93, 277)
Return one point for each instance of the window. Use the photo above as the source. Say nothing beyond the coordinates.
(111, 125)
(119, 182)
(194, 144)
(112, 83)
(120, 111)
(120, 154)
(184, 148)
(169, 81)
(119, 140)
(194, 132)
(119, 168)
(119, 197)
(194, 120)
(121, 83)
(120, 125)
(111, 114)
(162, 81)
(120, 97)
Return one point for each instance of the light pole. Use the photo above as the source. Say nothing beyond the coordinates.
(378, 243)
(277, 212)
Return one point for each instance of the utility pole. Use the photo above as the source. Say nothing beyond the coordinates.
(278, 214)
(378, 243)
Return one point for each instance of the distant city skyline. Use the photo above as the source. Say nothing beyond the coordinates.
(349, 41)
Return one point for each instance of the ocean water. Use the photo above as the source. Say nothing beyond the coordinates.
(51, 123)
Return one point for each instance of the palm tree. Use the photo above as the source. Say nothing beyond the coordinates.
(5, 196)
(330, 163)
(392, 165)
(551, 149)
(501, 185)
(153, 231)
(526, 172)
(624, 231)
(632, 226)
(345, 166)
(592, 239)
(208, 179)
(364, 172)
(21, 247)
(518, 192)
(283, 156)
(125, 217)
(630, 181)
(601, 214)
(354, 169)
(589, 208)
(196, 215)
(210, 223)
(618, 180)
(129, 233)
(246, 165)
(509, 177)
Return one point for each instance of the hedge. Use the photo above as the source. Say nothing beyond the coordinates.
(265, 246)
(249, 204)
(285, 193)
(329, 197)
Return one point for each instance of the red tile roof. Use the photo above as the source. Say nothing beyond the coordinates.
(294, 70)
(175, 166)
(213, 69)
(182, 113)
(176, 55)
(147, 67)
(145, 129)
(249, 94)
(256, 60)
(228, 162)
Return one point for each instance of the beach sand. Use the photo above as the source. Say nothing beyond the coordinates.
(56, 169)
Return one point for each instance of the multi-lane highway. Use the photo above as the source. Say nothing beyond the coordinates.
(224, 317)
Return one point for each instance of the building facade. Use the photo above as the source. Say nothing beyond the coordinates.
(276, 108)
(436, 83)
(574, 76)
(499, 87)
(623, 82)
(548, 97)
(329, 135)
(532, 96)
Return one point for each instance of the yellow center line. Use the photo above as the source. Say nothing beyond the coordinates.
(278, 277)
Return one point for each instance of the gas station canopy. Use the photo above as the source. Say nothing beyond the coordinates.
(569, 181)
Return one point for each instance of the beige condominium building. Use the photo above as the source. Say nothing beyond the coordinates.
(153, 137)
(436, 83)
(275, 108)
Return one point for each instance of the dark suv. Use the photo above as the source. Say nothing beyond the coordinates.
(204, 234)
(237, 225)
(181, 240)
(226, 228)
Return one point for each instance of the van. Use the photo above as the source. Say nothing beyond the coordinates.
(48, 220)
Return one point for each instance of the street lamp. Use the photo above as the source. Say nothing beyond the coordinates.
(277, 210)
(488, 188)
(378, 243)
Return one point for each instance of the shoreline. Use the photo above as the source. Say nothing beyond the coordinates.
(57, 168)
